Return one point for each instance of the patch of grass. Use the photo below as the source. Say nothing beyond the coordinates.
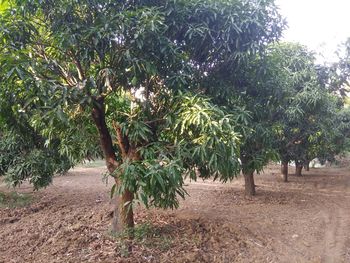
(138, 233)
(14, 199)
(142, 235)
(144, 231)
(163, 243)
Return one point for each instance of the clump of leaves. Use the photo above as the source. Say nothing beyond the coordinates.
(195, 138)
(22, 158)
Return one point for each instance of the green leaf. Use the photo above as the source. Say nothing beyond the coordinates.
(113, 190)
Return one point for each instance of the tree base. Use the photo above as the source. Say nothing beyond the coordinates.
(298, 170)
(284, 171)
(249, 184)
(123, 216)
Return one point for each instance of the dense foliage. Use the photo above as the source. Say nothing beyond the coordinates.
(163, 90)
(135, 67)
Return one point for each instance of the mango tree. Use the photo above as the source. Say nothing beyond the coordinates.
(296, 76)
(259, 90)
(307, 123)
(133, 70)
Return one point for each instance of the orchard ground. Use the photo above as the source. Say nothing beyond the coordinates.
(304, 220)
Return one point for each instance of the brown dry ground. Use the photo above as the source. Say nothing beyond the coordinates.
(305, 220)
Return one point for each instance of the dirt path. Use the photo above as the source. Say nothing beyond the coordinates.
(336, 212)
(305, 220)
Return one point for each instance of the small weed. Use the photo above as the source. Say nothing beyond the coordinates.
(143, 231)
(138, 233)
(14, 199)
(196, 240)
(142, 235)
(124, 248)
(163, 244)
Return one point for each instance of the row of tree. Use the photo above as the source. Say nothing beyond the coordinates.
(162, 90)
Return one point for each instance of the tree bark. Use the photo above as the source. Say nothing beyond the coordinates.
(249, 184)
(284, 171)
(106, 142)
(298, 169)
(307, 166)
(125, 203)
(123, 214)
(248, 174)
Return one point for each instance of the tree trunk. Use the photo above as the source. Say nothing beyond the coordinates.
(123, 214)
(248, 174)
(249, 183)
(125, 203)
(307, 166)
(284, 171)
(298, 169)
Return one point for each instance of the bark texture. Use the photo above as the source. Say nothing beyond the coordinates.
(298, 169)
(123, 217)
(307, 166)
(248, 174)
(249, 184)
(284, 171)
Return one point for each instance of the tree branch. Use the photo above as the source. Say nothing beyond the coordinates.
(122, 141)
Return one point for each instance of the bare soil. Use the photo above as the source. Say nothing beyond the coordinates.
(304, 220)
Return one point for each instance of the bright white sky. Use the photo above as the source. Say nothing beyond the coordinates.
(319, 24)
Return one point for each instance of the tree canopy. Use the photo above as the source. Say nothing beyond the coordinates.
(140, 76)
(163, 90)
